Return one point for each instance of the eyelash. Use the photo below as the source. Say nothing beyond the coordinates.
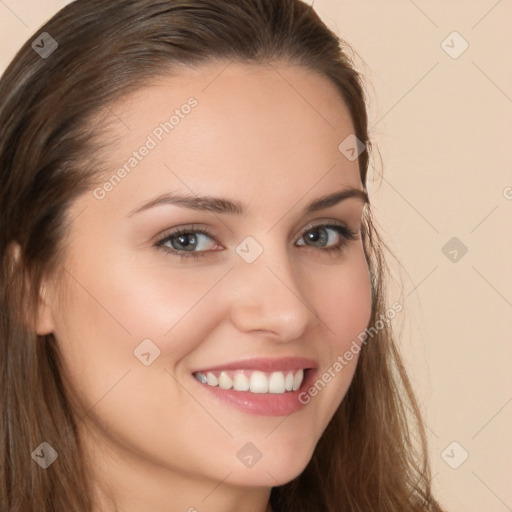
(346, 233)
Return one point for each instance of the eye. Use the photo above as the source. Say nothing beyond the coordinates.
(328, 236)
(190, 242)
(196, 242)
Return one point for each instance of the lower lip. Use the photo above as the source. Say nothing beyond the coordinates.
(263, 404)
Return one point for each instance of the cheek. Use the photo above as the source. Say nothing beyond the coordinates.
(129, 303)
(114, 305)
(153, 301)
(110, 313)
(343, 300)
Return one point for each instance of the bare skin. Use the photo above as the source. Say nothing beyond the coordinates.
(158, 440)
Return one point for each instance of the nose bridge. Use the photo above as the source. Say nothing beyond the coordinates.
(269, 295)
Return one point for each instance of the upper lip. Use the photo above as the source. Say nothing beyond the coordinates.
(264, 364)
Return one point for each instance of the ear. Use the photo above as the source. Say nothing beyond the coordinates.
(45, 323)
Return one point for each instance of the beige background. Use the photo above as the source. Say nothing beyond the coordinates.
(444, 130)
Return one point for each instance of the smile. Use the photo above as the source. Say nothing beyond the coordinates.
(253, 381)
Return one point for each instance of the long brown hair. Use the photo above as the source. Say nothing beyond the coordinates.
(373, 454)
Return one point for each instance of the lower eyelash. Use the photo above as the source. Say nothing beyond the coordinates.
(346, 233)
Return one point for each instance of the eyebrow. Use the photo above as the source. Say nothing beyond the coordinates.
(228, 206)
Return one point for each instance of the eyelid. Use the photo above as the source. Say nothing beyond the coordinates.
(324, 222)
(200, 228)
(194, 228)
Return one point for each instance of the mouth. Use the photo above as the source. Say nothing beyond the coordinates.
(265, 387)
(254, 381)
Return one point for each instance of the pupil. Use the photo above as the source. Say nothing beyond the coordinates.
(187, 241)
(314, 236)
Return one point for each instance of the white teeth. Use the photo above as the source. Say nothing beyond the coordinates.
(276, 383)
(241, 382)
(225, 381)
(211, 379)
(297, 380)
(288, 383)
(258, 382)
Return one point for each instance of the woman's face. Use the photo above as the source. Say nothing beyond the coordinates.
(254, 282)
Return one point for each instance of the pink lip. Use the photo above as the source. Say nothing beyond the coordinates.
(264, 364)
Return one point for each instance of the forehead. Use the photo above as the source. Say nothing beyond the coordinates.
(232, 127)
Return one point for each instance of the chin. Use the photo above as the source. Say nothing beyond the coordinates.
(279, 469)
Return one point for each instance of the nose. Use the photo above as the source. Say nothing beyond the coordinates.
(269, 298)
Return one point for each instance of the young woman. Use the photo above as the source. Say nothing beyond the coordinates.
(193, 302)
